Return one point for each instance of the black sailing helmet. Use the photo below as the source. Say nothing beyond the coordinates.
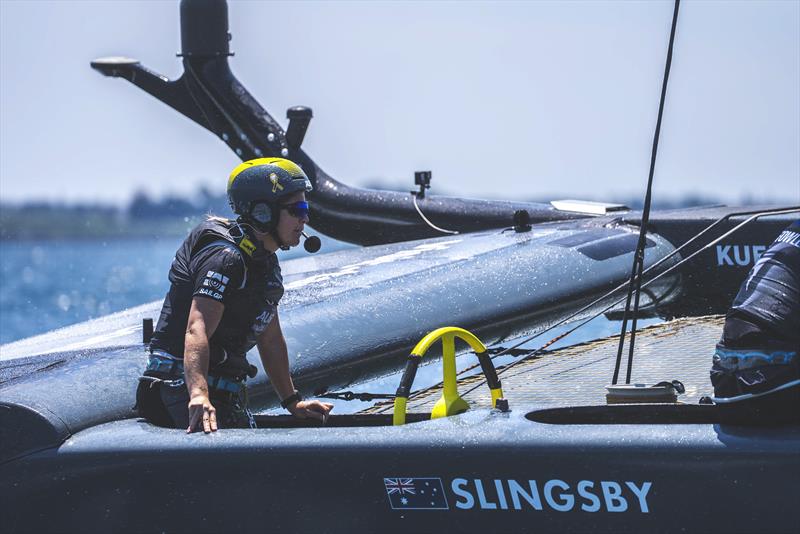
(256, 186)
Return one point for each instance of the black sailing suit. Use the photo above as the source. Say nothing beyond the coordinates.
(758, 351)
(217, 261)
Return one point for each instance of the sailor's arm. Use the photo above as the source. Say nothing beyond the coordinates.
(204, 317)
(275, 357)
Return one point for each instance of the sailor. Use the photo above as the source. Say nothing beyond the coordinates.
(223, 300)
(756, 367)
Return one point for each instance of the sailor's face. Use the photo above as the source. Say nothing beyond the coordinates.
(291, 223)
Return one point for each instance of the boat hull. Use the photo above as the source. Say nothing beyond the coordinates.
(492, 471)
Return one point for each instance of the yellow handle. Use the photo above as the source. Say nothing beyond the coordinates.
(450, 403)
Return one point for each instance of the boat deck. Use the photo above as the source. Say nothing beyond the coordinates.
(578, 375)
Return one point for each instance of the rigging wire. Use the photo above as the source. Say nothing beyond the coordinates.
(635, 285)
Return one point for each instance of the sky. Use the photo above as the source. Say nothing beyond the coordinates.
(513, 100)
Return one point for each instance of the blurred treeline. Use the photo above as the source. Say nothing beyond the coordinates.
(142, 217)
(173, 215)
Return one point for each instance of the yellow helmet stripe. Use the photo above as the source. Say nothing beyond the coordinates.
(291, 167)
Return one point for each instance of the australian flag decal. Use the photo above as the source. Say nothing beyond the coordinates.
(416, 493)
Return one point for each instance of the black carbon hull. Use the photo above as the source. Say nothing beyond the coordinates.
(492, 471)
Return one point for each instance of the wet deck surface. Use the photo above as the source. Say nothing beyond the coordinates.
(578, 375)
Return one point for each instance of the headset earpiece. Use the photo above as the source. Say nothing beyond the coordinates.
(261, 213)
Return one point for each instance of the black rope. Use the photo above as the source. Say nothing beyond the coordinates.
(634, 287)
(497, 351)
(352, 395)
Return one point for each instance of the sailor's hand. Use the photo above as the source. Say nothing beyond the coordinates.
(312, 408)
(202, 415)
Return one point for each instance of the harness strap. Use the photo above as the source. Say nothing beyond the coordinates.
(158, 362)
(739, 359)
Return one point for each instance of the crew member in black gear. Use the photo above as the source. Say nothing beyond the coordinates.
(223, 300)
(756, 368)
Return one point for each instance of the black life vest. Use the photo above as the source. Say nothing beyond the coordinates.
(770, 295)
(249, 308)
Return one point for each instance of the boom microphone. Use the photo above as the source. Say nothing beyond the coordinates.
(312, 243)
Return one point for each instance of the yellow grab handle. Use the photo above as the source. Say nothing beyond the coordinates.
(450, 403)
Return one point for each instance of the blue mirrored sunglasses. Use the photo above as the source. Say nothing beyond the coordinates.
(297, 209)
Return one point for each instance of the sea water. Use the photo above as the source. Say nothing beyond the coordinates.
(49, 284)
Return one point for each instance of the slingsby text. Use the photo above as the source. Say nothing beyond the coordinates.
(557, 495)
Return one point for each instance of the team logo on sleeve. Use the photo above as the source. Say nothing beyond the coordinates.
(214, 285)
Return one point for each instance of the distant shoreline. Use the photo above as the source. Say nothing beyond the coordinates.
(142, 218)
(175, 216)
